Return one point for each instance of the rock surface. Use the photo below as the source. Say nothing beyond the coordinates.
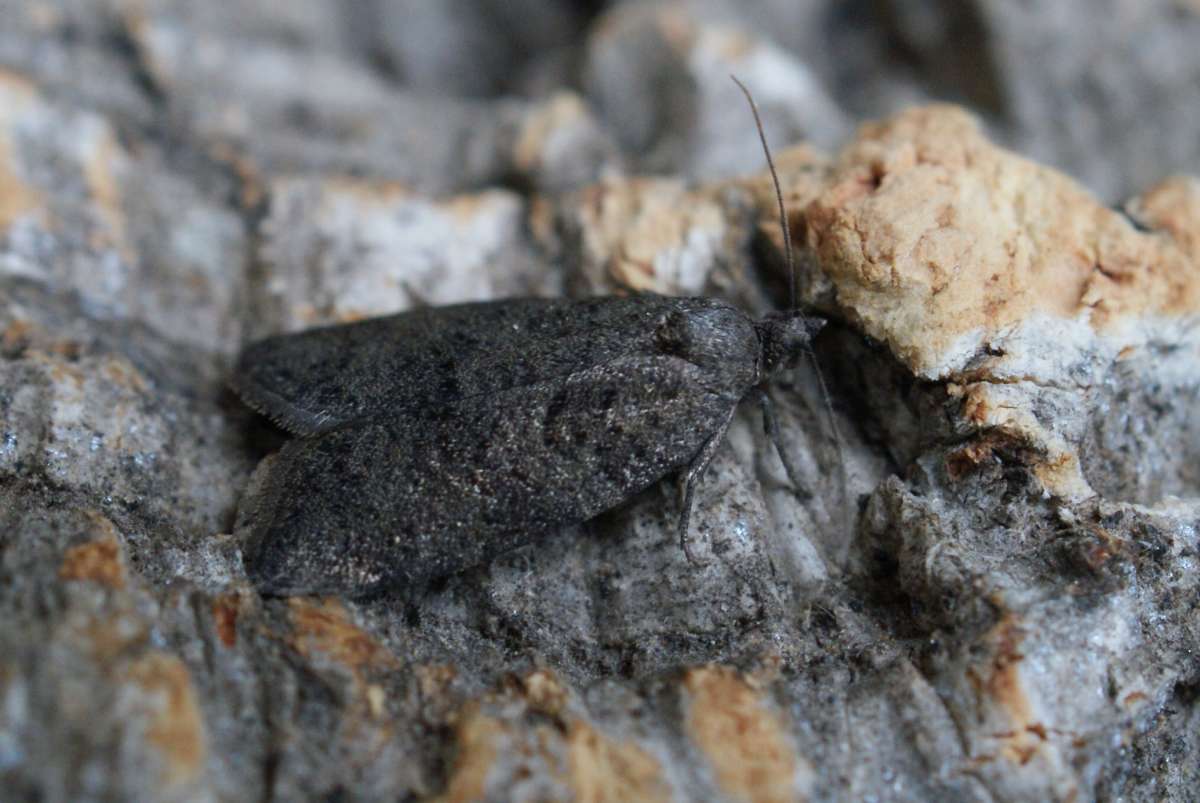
(989, 589)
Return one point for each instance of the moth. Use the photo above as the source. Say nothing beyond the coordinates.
(431, 441)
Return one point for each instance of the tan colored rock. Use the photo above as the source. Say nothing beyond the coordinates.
(323, 626)
(941, 243)
(603, 770)
(648, 235)
(745, 741)
(534, 741)
(1172, 207)
(97, 561)
(174, 723)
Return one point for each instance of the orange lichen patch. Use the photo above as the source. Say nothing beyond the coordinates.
(936, 239)
(601, 770)
(322, 626)
(476, 736)
(998, 682)
(97, 561)
(176, 727)
(745, 741)
(225, 610)
(651, 234)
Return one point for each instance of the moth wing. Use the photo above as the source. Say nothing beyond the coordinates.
(406, 499)
(314, 381)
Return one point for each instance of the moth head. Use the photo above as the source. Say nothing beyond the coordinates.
(784, 337)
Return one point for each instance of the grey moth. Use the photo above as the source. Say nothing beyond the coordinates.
(430, 441)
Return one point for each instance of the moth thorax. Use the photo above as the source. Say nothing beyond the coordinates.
(712, 335)
(784, 337)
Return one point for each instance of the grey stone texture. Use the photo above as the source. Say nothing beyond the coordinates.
(992, 591)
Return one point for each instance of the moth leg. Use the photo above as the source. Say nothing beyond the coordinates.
(771, 425)
(691, 478)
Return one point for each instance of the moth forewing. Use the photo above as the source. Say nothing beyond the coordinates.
(323, 378)
(402, 497)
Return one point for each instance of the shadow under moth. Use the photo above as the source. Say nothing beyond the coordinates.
(430, 441)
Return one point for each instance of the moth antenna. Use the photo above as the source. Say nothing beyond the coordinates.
(791, 265)
(783, 218)
(837, 435)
